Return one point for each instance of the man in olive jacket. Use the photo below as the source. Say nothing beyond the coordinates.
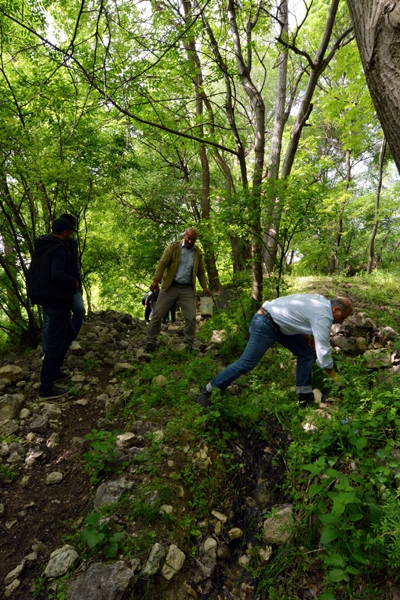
(180, 265)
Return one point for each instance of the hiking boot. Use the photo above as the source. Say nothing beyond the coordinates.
(203, 398)
(150, 347)
(53, 393)
(62, 376)
(306, 399)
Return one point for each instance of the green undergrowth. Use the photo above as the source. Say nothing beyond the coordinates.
(342, 462)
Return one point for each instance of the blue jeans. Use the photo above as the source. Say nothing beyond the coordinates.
(78, 316)
(263, 335)
(60, 334)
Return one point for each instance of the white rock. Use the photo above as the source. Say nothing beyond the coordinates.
(265, 553)
(158, 436)
(220, 516)
(244, 561)
(161, 381)
(166, 509)
(135, 564)
(13, 574)
(82, 402)
(218, 336)
(55, 477)
(235, 533)
(128, 439)
(10, 589)
(51, 411)
(78, 378)
(218, 528)
(12, 372)
(153, 562)
(173, 562)
(210, 547)
(60, 561)
(277, 527)
(119, 367)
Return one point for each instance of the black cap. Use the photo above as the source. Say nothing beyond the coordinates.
(60, 225)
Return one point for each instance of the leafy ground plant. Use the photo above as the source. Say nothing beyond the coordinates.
(102, 453)
(99, 537)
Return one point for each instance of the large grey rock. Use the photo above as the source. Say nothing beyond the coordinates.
(8, 427)
(173, 562)
(40, 424)
(277, 528)
(10, 406)
(102, 581)
(351, 345)
(154, 560)
(51, 411)
(12, 372)
(60, 561)
(110, 492)
(378, 359)
(387, 334)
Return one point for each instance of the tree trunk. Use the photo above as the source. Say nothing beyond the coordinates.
(317, 65)
(209, 253)
(280, 119)
(377, 27)
(377, 201)
(259, 146)
(334, 261)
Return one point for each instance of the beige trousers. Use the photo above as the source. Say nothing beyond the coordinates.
(187, 300)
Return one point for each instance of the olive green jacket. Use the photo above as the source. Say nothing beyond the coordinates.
(168, 266)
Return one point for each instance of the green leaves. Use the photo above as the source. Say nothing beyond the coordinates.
(98, 536)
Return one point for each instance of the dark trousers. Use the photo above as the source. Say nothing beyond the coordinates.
(78, 316)
(60, 335)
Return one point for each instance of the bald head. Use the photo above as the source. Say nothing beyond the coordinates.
(341, 309)
(190, 237)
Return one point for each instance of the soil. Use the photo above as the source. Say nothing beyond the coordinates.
(44, 517)
(44, 513)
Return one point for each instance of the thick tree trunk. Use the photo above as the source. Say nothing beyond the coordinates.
(377, 28)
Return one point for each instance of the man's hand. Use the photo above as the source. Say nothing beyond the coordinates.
(335, 377)
(206, 292)
(310, 340)
(154, 286)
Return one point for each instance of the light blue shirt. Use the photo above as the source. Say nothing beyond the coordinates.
(309, 314)
(184, 272)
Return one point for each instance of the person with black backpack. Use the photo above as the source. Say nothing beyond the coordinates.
(52, 286)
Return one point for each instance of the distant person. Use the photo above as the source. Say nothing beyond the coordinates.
(299, 322)
(52, 286)
(78, 307)
(180, 265)
(172, 312)
(149, 300)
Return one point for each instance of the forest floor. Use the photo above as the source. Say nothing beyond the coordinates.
(39, 518)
